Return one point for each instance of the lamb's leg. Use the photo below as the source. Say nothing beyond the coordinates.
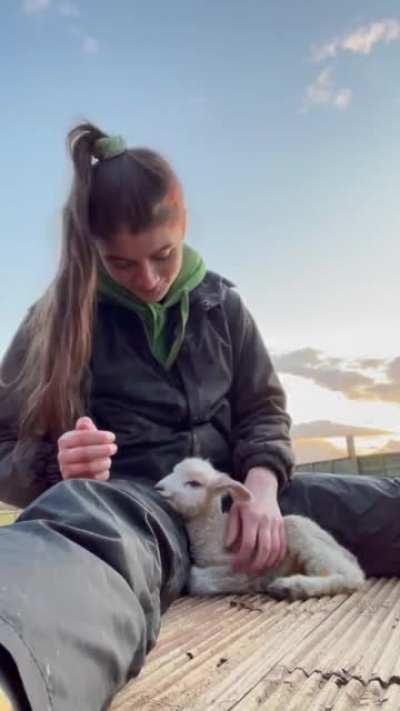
(301, 587)
(328, 568)
(217, 579)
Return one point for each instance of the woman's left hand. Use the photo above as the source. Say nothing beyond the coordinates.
(255, 530)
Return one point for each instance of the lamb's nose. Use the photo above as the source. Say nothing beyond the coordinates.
(159, 487)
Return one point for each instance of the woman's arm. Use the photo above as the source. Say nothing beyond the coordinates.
(262, 452)
(261, 425)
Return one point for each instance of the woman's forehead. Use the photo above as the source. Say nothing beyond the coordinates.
(127, 245)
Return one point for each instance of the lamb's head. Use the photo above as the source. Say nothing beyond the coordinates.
(193, 483)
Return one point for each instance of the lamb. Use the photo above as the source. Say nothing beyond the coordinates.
(315, 563)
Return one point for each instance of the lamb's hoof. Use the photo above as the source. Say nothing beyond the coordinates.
(281, 590)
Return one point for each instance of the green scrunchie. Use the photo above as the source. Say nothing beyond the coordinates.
(109, 147)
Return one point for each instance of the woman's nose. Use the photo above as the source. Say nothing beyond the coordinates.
(147, 278)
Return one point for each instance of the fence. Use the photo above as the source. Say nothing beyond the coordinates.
(373, 464)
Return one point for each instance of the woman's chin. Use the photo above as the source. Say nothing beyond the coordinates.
(153, 296)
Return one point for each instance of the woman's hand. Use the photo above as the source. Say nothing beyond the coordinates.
(86, 451)
(255, 531)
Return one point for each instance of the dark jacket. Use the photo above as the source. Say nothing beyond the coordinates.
(221, 400)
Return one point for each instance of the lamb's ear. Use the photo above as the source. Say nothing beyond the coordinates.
(223, 482)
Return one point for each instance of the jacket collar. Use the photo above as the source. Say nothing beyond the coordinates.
(211, 291)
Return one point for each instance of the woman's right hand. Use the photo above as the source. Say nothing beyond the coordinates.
(86, 451)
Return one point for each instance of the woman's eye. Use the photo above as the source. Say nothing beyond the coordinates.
(121, 266)
(195, 484)
(163, 257)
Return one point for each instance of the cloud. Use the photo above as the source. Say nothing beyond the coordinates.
(313, 365)
(342, 98)
(361, 41)
(30, 7)
(393, 370)
(383, 392)
(326, 428)
(369, 363)
(323, 92)
(304, 357)
(317, 450)
(391, 447)
(89, 45)
(377, 380)
(69, 9)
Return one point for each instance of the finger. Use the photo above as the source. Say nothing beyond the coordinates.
(275, 545)
(259, 562)
(243, 557)
(85, 423)
(102, 475)
(283, 543)
(78, 455)
(83, 438)
(232, 530)
(86, 469)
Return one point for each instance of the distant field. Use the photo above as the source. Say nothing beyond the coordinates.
(7, 517)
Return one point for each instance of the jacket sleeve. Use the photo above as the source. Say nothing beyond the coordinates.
(261, 424)
(27, 466)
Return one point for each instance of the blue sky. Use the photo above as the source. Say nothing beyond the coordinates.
(282, 120)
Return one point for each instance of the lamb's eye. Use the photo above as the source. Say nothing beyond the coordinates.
(195, 484)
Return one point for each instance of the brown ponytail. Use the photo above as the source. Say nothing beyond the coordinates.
(124, 192)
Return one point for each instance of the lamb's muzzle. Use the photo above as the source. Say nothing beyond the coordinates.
(315, 563)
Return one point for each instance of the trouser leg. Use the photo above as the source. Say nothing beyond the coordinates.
(362, 512)
(86, 572)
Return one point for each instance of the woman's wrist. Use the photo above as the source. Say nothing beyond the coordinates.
(262, 482)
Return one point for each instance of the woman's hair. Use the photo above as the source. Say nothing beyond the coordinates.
(107, 195)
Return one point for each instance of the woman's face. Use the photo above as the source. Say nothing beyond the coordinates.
(146, 263)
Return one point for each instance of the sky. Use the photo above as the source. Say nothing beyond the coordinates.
(282, 121)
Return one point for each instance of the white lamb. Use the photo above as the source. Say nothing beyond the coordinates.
(315, 563)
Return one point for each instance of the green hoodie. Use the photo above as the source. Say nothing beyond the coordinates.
(155, 315)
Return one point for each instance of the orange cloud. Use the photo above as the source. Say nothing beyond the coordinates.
(363, 379)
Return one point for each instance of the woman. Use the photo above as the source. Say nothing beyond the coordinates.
(134, 358)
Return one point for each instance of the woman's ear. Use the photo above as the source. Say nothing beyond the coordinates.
(184, 220)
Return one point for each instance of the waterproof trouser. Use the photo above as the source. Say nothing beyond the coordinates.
(89, 567)
(86, 572)
(361, 512)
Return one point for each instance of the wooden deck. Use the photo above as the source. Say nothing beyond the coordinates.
(247, 653)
